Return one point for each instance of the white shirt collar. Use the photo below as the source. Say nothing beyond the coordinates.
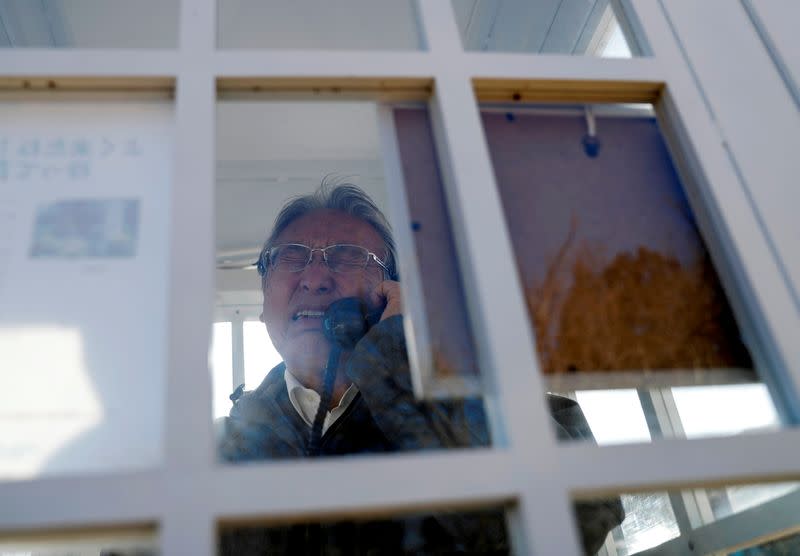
(306, 401)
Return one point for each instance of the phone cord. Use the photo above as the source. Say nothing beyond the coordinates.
(324, 402)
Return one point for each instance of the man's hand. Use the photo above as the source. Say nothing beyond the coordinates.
(387, 293)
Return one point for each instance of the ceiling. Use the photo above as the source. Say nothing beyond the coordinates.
(268, 152)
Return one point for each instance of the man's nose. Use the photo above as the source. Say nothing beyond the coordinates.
(316, 277)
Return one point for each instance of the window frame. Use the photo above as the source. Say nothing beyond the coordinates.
(526, 468)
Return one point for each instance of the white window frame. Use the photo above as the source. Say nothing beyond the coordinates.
(709, 131)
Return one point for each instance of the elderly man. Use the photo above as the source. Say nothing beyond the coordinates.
(330, 245)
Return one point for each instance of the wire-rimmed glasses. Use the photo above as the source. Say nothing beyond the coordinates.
(294, 257)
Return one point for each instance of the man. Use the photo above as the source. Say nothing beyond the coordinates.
(336, 244)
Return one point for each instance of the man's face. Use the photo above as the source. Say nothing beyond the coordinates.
(289, 296)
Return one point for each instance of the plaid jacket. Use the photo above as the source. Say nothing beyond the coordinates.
(384, 417)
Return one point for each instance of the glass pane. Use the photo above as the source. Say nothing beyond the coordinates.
(89, 24)
(269, 153)
(727, 416)
(474, 532)
(589, 27)
(83, 283)
(615, 416)
(222, 367)
(453, 363)
(621, 291)
(307, 24)
(260, 355)
(122, 542)
(735, 499)
(650, 521)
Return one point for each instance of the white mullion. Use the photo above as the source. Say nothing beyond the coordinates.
(678, 462)
(542, 520)
(358, 485)
(765, 304)
(442, 479)
(96, 63)
(186, 526)
(191, 268)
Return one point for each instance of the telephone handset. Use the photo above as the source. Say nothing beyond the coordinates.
(347, 321)
(344, 323)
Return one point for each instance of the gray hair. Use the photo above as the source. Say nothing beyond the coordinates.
(345, 197)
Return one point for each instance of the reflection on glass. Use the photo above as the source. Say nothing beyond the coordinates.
(222, 367)
(83, 213)
(735, 499)
(291, 186)
(727, 417)
(344, 24)
(453, 358)
(260, 355)
(581, 28)
(650, 521)
(616, 275)
(448, 532)
(123, 542)
(89, 24)
(615, 416)
(785, 546)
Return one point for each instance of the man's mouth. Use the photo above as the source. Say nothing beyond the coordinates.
(307, 314)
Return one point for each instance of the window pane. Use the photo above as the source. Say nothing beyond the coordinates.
(621, 290)
(454, 361)
(451, 532)
(650, 521)
(260, 355)
(268, 154)
(89, 24)
(306, 24)
(544, 27)
(122, 542)
(83, 283)
(615, 416)
(727, 417)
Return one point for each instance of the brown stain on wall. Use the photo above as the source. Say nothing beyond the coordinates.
(640, 311)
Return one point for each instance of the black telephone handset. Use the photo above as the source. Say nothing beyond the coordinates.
(344, 323)
(347, 320)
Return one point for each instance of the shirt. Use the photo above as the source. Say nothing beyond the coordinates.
(306, 401)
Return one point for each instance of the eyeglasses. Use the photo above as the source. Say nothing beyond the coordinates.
(294, 257)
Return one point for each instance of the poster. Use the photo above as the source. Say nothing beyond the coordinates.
(84, 258)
